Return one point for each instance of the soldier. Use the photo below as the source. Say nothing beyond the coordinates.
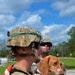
(45, 45)
(23, 42)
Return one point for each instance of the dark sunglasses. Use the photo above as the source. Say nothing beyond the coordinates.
(43, 44)
(35, 45)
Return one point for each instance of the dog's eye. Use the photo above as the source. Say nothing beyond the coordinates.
(60, 63)
(55, 63)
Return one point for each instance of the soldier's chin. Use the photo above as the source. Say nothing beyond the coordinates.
(45, 51)
(37, 60)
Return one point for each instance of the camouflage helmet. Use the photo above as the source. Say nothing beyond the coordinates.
(22, 36)
(45, 39)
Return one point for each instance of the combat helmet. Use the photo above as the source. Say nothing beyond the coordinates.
(22, 37)
(45, 40)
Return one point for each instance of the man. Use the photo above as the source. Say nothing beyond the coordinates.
(23, 42)
(45, 46)
(43, 50)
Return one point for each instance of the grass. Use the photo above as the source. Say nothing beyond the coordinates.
(2, 68)
(68, 62)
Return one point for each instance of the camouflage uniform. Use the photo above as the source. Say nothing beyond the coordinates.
(19, 73)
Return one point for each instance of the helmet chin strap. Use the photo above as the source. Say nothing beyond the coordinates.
(45, 52)
(22, 55)
(15, 53)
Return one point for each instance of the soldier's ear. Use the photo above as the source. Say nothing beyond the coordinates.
(35, 45)
(8, 33)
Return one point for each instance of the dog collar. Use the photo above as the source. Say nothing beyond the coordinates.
(38, 72)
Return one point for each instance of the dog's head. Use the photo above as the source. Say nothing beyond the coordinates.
(51, 65)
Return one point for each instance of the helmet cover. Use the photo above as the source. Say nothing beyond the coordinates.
(23, 37)
(45, 40)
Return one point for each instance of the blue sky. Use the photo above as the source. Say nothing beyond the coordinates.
(53, 18)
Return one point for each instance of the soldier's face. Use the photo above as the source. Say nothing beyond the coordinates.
(44, 48)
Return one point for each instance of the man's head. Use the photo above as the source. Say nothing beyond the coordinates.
(45, 40)
(45, 45)
(23, 38)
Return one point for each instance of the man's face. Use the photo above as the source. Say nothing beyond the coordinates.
(44, 47)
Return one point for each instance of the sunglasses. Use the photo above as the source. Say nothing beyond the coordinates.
(35, 45)
(43, 44)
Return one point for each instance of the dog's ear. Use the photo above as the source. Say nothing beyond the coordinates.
(63, 67)
(43, 65)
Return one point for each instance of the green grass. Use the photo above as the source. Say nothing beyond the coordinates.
(68, 62)
(2, 68)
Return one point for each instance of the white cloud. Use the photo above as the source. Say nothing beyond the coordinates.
(6, 20)
(33, 21)
(33, 18)
(11, 6)
(69, 27)
(1, 36)
(10, 19)
(66, 7)
(57, 33)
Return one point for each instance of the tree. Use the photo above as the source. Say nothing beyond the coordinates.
(71, 41)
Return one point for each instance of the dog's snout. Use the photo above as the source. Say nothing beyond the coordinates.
(61, 72)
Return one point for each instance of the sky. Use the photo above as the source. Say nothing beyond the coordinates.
(53, 18)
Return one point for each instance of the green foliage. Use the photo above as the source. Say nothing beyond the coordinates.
(5, 53)
(65, 49)
(71, 41)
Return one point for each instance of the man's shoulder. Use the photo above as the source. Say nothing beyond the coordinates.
(17, 71)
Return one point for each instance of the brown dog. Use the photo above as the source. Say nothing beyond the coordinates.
(50, 65)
